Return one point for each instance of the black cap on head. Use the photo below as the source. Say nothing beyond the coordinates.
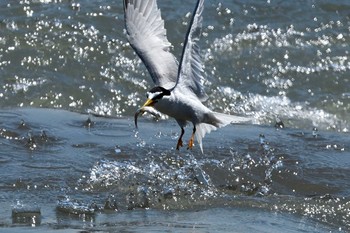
(156, 93)
(160, 90)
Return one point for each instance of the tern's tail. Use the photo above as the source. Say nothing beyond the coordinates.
(216, 120)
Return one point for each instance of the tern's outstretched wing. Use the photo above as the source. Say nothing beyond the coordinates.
(190, 73)
(147, 36)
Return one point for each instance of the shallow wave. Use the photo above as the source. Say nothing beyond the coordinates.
(85, 167)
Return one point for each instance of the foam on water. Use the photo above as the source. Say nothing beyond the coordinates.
(154, 182)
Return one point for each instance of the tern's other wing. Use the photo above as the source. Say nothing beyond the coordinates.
(190, 73)
(147, 35)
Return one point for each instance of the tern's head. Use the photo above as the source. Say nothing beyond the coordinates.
(156, 94)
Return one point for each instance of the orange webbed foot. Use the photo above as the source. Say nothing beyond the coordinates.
(190, 143)
(179, 144)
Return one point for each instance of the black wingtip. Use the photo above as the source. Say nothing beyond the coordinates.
(199, 4)
(125, 4)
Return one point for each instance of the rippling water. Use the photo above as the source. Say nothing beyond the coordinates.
(285, 60)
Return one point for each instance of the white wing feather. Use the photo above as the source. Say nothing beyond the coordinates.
(190, 75)
(147, 36)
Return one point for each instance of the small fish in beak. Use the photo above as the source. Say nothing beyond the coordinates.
(143, 109)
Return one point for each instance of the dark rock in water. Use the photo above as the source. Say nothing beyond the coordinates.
(88, 123)
(279, 123)
(26, 216)
(43, 136)
(74, 207)
(31, 142)
(23, 125)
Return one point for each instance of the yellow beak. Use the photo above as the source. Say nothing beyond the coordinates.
(149, 103)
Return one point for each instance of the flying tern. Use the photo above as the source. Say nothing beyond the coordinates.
(178, 91)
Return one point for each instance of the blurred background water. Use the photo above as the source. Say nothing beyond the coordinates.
(271, 60)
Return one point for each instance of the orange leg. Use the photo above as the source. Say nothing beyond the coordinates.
(179, 142)
(191, 142)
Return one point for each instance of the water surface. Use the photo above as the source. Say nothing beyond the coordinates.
(65, 169)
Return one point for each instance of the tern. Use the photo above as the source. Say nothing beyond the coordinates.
(179, 90)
